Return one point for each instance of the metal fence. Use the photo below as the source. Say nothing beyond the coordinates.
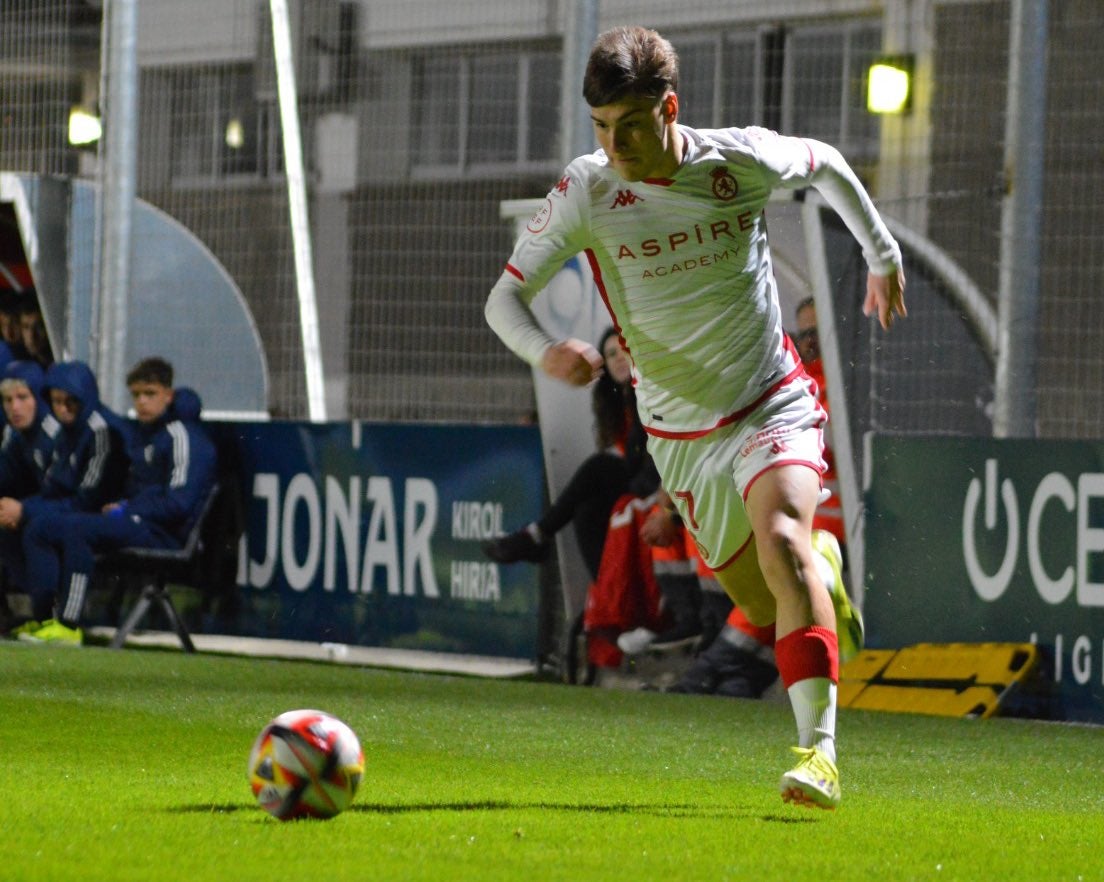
(420, 117)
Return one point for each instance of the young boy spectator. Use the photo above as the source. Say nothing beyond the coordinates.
(25, 454)
(90, 458)
(30, 435)
(172, 470)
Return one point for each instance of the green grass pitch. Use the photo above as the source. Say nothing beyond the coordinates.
(132, 766)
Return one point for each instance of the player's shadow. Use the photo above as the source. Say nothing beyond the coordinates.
(659, 810)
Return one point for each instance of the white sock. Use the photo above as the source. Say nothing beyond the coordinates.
(814, 707)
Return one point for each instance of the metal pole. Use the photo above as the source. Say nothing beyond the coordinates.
(297, 207)
(580, 32)
(1021, 223)
(847, 477)
(119, 159)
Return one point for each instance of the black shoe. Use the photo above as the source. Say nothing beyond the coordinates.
(516, 546)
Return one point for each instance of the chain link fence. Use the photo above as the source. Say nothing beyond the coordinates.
(419, 118)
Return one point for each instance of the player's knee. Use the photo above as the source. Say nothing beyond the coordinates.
(780, 548)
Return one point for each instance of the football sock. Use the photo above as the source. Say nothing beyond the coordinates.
(808, 662)
(814, 707)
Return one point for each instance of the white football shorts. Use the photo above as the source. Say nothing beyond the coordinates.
(708, 477)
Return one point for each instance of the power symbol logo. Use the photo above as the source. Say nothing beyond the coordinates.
(990, 586)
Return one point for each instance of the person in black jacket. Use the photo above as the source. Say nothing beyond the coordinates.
(172, 470)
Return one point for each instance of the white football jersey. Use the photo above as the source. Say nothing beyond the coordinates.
(684, 267)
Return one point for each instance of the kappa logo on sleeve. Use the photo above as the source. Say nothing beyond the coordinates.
(562, 185)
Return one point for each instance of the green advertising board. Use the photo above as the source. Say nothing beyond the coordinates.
(991, 540)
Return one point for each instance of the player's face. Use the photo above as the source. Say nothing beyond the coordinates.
(638, 136)
(19, 407)
(151, 400)
(617, 361)
(66, 407)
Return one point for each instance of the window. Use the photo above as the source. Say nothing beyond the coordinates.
(806, 80)
(697, 82)
(824, 86)
(483, 112)
(218, 129)
(743, 82)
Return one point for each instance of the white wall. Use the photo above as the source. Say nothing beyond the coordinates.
(178, 32)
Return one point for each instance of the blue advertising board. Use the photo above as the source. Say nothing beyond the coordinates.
(369, 534)
(991, 540)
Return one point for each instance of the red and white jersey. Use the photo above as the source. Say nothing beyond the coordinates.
(684, 267)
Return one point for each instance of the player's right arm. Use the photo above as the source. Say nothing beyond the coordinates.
(550, 238)
(571, 361)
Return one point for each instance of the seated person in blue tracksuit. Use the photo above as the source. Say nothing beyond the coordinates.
(86, 470)
(172, 470)
(25, 453)
(90, 458)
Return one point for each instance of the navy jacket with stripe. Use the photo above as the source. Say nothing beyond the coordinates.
(89, 462)
(172, 467)
(25, 455)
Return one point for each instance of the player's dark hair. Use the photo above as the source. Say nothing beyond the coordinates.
(151, 370)
(629, 62)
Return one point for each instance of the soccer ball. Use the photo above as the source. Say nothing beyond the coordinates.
(305, 764)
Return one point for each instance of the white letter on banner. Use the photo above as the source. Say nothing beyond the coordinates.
(299, 576)
(1053, 486)
(990, 587)
(1090, 540)
(342, 513)
(420, 494)
(1081, 660)
(266, 486)
(381, 543)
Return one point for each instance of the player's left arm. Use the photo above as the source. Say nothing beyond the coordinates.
(821, 165)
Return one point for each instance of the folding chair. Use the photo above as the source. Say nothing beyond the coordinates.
(156, 567)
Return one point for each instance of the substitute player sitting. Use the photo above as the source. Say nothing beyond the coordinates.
(671, 221)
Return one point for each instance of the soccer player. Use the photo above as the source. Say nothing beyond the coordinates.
(671, 221)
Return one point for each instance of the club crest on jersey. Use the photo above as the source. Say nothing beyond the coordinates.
(625, 197)
(725, 187)
(540, 220)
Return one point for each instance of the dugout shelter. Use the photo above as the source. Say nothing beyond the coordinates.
(183, 305)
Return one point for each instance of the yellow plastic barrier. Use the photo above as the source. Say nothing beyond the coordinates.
(950, 679)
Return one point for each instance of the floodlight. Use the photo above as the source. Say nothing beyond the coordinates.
(84, 127)
(235, 134)
(889, 85)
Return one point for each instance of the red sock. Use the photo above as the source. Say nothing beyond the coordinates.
(807, 652)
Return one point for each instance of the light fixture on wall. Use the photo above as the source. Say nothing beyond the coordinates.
(84, 126)
(235, 134)
(889, 85)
